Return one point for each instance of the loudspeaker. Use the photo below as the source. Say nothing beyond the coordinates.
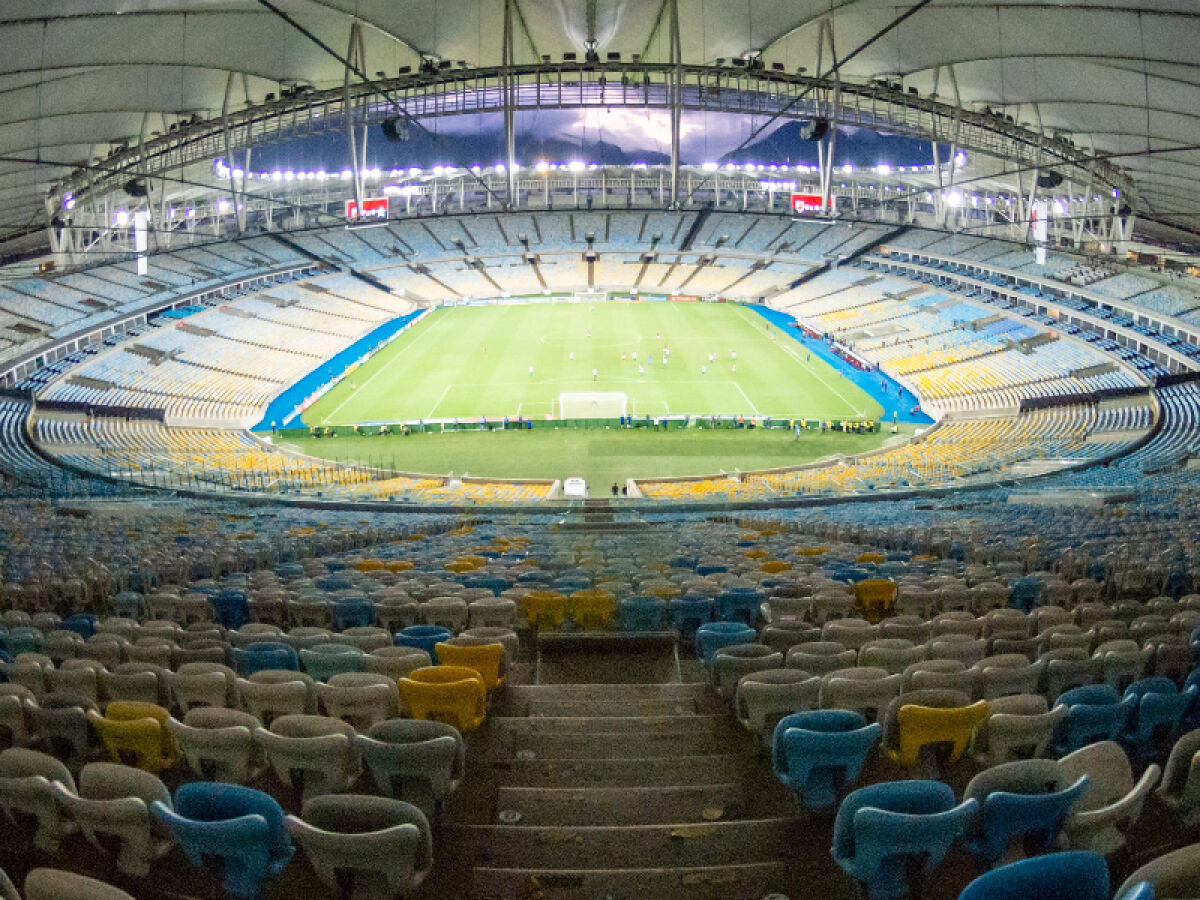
(1049, 180)
(814, 130)
(135, 188)
(394, 131)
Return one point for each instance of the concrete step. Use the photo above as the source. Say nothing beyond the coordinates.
(515, 725)
(627, 846)
(706, 883)
(618, 771)
(622, 805)
(559, 708)
(522, 696)
(599, 745)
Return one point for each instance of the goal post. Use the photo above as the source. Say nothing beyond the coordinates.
(592, 405)
(591, 297)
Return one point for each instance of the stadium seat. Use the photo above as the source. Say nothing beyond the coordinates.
(423, 637)
(1157, 716)
(1174, 874)
(1094, 713)
(886, 835)
(1180, 787)
(928, 719)
(26, 777)
(385, 843)
(819, 754)
(1073, 875)
(59, 884)
(360, 699)
(320, 748)
(218, 744)
(764, 697)
(241, 827)
(277, 692)
(713, 635)
(264, 655)
(486, 659)
(137, 733)
(415, 760)
(325, 660)
(730, 663)
(452, 694)
(114, 802)
(1027, 799)
(1019, 726)
(1112, 801)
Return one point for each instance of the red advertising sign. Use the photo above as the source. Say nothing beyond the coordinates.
(373, 208)
(806, 203)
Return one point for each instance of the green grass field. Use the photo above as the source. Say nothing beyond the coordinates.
(475, 361)
(601, 456)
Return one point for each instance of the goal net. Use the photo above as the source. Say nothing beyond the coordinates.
(591, 297)
(592, 405)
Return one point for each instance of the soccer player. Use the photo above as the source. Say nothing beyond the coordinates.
(641, 370)
(635, 356)
(594, 373)
(531, 371)
(704, 370)
(734, 368)
(622, 357)
(572, 355)
(733, 354)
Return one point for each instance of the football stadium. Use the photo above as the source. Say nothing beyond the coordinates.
(641, 450)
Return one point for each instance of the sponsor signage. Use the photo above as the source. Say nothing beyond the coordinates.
(806, 203)
(372, 208)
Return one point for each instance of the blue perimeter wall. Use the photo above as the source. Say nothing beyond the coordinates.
(891, 395)
(285, 411)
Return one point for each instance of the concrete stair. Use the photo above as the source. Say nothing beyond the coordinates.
(612, 791)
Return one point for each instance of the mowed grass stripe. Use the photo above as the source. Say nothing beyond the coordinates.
(475, 361)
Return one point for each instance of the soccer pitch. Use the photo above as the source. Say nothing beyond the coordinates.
(518, 360)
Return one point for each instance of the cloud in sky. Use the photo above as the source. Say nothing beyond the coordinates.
(703, 136)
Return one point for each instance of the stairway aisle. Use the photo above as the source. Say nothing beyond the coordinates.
(613, 791)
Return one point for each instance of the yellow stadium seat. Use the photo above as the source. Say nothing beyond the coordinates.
(368, 565)
(871, 557)
(812, 551)
(756, 554)
(398, 565)
(137, 731)
(921, 726)
(875, 597)
(486, 659)
(592, 608)
(459, 567)
(775, 566)
(452, 694)
(544, 609)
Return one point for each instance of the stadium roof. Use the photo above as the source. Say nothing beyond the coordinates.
(1121, 79)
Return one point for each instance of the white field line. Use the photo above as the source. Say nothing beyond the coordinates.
(382, 369)
(796, 356)
(753, 408)
(442, 397)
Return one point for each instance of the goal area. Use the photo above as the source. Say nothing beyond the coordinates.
(592, 405)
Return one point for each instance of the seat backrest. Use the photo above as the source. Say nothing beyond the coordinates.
(920, 726)
(57, 884)
(1073, 875)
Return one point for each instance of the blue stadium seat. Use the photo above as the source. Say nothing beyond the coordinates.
(238, 826)
(1074, 875)
(885, 835)
(818, 754)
